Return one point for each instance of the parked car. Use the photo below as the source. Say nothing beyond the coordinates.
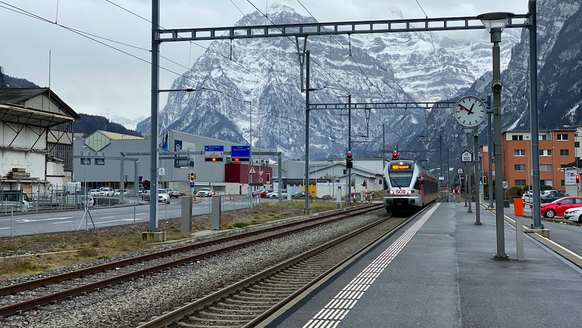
(264, 192)
(298, 194)
(552, 197)
(275, 194)
(18, 199)
(548, 192)
(205, 192)
(145, 195)
(256, 192)
(528, 196)
(94, 192)
(173, 193)
(163, 196)
(574, 214)
(117, 191)
(559, 206)
(106, 191)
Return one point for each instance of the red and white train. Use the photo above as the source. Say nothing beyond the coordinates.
(408, 187)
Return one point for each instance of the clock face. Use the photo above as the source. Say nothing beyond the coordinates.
(470, 111)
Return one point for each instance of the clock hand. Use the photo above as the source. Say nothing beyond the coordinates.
(463, 107)
(471, 110)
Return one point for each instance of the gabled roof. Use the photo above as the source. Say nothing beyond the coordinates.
(117, 136)
(101, 139)
(14, 109)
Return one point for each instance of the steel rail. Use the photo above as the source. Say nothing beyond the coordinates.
(174, 316)
(20, 307)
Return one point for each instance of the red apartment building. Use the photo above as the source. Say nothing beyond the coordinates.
(556, 148)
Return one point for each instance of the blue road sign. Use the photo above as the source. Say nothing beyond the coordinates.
(240, 151)
(192, 184)
(214, 148)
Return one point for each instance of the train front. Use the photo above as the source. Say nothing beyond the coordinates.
(401, 193)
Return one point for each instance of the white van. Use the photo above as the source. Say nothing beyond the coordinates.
(16, 199)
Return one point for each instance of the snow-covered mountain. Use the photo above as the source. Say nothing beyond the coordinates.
(559, 43)
(258, 81)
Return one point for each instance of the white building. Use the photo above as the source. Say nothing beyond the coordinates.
(36, 137)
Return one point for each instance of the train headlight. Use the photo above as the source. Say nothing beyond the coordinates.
(391, 192)
(410, 192)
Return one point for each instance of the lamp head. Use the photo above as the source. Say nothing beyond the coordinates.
(497, 20)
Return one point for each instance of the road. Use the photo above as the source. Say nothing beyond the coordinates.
(71, 220)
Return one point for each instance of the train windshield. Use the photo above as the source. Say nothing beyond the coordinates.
(400, 179)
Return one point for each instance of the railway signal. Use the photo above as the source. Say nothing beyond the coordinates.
(395, 155)
(577, 178)
(349, 161)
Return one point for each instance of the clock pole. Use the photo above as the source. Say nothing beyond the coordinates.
(477, 174)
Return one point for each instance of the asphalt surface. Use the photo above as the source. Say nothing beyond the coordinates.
(444, 275)
(32, 222)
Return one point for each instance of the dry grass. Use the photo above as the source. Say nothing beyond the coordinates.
(114, 241)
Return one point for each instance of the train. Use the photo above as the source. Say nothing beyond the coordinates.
(408, 187)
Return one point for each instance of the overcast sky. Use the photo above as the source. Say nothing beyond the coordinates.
(95, 79)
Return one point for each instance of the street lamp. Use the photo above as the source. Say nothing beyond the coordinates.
(495, 23)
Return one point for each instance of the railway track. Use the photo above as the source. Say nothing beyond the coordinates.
(249, 302)
(16, 299)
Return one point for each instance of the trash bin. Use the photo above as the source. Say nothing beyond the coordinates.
(518, 206)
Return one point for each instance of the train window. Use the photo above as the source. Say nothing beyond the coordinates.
(400, 179)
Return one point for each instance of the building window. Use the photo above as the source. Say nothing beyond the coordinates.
(564, 152)
(543, 137)
(562, 137)
(545, 152)
(520, 183)
(577, 144)
(99, 161)
(519, 167)
(85, 161)
(562, 183)
(546, 167)
(546, 183)
(519, 152)
(517, 137)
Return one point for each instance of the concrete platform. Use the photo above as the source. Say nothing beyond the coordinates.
(439, 271)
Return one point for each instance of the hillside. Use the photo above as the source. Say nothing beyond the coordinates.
(91, 123)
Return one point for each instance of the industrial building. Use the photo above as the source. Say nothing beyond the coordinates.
(37, 140)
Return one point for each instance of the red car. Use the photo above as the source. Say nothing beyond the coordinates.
(559, 206)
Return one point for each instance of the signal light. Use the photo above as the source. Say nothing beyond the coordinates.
(577, 178)
(349, 161)
(214, 159)
(192, 176)
(394, 155)
(240, 159)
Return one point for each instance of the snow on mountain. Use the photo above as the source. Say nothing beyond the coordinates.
(559, 62)
(256, 83)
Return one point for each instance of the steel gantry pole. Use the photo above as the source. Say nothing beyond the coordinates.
(154, 116)
(307, 55)
(535, 159)
(350, 148)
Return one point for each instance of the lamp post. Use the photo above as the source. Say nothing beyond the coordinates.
(495, 23)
